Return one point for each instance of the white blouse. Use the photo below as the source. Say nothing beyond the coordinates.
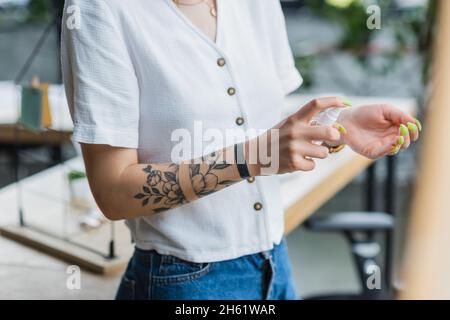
(135, 71)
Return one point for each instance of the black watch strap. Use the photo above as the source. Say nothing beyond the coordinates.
(239, 157)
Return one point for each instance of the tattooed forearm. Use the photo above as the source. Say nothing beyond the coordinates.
(162, 190)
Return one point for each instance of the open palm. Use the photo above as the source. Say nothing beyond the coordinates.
(376, 130)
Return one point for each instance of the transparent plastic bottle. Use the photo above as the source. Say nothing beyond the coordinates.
(326, 118)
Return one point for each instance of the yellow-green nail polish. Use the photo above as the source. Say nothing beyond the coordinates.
(418, 124)
(347, 102)
(341, 128)
(394, 150)
(400, 141)
(404, 130)
(412, 127)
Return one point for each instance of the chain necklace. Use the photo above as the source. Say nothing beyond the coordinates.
(212, 7)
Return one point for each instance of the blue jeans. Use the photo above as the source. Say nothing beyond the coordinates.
(260, 276)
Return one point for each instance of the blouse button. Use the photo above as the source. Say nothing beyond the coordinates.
(231, 91)
(240, 121)
(258, 206)
(221, 62)
(251, 180)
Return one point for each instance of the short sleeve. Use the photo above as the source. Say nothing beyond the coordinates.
(282, 53)
(100, 82)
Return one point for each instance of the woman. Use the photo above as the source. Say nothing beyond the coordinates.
(207, 225)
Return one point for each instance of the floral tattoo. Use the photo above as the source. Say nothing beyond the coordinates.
(163, 187)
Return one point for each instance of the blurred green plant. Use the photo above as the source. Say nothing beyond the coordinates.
(411, 29)
(350, 15)
(76, 175)
(305, 65)
(39, 11)
(33, 11)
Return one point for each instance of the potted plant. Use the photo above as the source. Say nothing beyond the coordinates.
(80, 193)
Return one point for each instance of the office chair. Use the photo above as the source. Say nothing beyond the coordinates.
(359, 229)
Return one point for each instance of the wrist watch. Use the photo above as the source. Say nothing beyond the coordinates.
(242, 166)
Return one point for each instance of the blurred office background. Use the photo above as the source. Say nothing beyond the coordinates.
(335, 52)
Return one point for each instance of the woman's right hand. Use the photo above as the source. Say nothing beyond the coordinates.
(295, 142)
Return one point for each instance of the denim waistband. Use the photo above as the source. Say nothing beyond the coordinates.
(146, 256)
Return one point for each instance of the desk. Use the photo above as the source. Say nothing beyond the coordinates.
(46, 197)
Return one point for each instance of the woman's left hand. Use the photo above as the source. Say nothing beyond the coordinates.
(378, 130)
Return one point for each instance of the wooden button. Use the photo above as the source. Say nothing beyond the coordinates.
(258, 206)
(221, 62)
(251, 180)
(240, 121)
(231, 91)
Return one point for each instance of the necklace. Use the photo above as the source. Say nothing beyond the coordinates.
(212, 7)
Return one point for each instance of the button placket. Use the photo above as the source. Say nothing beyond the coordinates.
(240, 121)
(231, 91)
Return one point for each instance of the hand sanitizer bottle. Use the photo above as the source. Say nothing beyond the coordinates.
(327, 117)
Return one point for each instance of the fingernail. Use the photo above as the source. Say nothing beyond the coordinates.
(347, 102)
(404, 130)
(412, 127)
(419, 125)
(341, 128)
(400, 141)
(394, 150)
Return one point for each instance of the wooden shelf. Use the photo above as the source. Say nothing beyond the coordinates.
(10, 135)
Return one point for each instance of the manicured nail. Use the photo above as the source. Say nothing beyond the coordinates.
(347, 102)
(418, 124)
(394, 150)
(412, 127)
(404, 130)
(341, 128)
(400, 141)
